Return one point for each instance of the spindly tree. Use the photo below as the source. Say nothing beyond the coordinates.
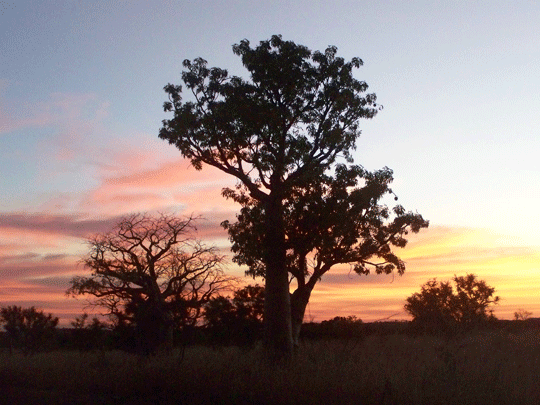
(151, 272)
(338, 219)
(522, 315)
(279, 130)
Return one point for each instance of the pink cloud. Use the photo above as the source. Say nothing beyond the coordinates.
(36, 279)
(170, 185)
(6, 248)
(80, 134)
(20, 239)
(26, 271)
(207, 199)
(172, 173)
(124, 202)
(144, 174)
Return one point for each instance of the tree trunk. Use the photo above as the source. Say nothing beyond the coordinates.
(154, 324)
(168, 331)
(299, 301)
(277, 306)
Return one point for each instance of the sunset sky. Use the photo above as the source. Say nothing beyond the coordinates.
(81, 95)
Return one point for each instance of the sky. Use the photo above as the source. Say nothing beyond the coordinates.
(81, 95)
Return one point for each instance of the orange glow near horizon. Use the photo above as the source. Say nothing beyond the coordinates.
(36, 266)
(441, 253)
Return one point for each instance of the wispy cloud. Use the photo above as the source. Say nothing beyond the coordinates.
(171, 185)
(51, 225)
(71, 113)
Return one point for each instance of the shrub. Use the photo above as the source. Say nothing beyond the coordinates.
(440, 306)
(237, 320)
(28, 329)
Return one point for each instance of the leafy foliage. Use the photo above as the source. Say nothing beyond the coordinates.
(439, 304)
(296, 115)
(337, 219)
(27, 328)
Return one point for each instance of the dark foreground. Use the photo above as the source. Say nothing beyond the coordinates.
(489, 367)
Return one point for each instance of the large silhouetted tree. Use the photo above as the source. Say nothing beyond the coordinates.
(151, 272)
(279, 130)
(335, 219)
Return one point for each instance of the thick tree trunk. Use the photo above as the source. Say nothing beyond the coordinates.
(277, 306)
(299, 301)
(154, 325)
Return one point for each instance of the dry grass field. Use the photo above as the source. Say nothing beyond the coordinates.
(496, 367)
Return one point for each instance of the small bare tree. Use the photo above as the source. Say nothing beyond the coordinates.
(522, 315)
(151, 272)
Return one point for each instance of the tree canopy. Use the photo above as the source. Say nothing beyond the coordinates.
(296, 115)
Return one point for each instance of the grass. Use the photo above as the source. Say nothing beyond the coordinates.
(475, 368)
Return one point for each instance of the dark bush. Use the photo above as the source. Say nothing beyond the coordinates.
(440, 307)
(27, 328)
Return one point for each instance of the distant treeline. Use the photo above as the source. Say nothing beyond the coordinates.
(438, 309)
(96, 336)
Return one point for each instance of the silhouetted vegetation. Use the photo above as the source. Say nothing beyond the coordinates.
(438, 306)
(338, 327)
(319, 238)
(152, 276)
(27, 328)
(281, 133)
(89, 336)
(340, 360)
(237, 320)
(522, 315)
